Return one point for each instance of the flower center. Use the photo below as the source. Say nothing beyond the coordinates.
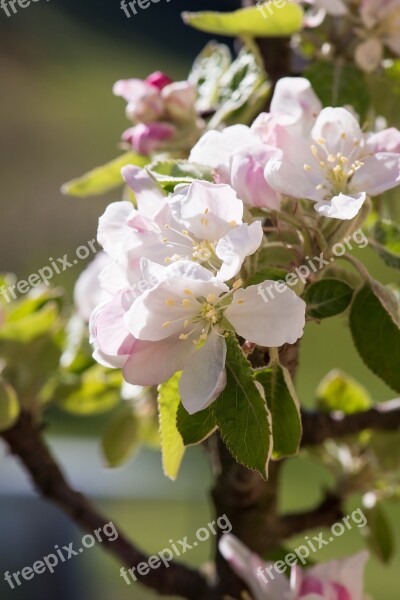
(337, 169)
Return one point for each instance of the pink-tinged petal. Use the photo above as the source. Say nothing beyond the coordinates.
(387, 140)
(310, 585)
(88, 292)
(216, 147)
(232, 249)
(292, 180)
(369, 54)
(378, 174)
(107, 329)
(150, 199)
(115, 278)
(253, 570)
(247, 177)
(113, 230)
(294, 96)
(204, 375)
(347, 572)
(179, 99)
(339, 128)
(158, 79)
(206, 209)
(343, 206)
(130, 89)
(264, 320)
(336, 8)
(147, 138)
(153, 363)
(341, 592)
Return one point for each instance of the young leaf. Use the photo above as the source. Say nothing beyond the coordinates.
(208, 68)
(283, 21)
(378, 533)
(387, 238)
(171, 441)
(95, 392)
(242, 414)
(169, 173)
(375, 327)
(121, 437)
(194, 429)
(285, 410)
(327, 298)
(9, 406)
(104, 178)
(338, 391)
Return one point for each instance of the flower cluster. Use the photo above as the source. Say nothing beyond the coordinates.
(334, 580)
(163, 113)
(302, 150)
(173, 291)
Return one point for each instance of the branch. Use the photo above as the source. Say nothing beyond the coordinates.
(318, 427)
(25, 442)
(327, 513)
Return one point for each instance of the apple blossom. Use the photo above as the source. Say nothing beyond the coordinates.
(337, 166)
(88, 292)
(181, 324)
(333, 580)
(201, 222)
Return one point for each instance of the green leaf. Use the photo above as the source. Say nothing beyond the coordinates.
(267, 274)
(375, 327)
(338, 86)
(338, 391)
(24, 328)
(9, 406)
(243, 92)
(171, 440)
(327, 298)
(285, 410)
(208, 68)
(121, 437)
(387, 242)
(283, 21)
(104, 178)
(98, 390)
(242, 414)
(169, 173)
(378, 533)
(194, 429)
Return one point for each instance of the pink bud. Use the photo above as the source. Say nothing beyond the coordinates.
(146, 138)
(158, 79)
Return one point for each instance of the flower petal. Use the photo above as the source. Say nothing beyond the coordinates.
(204, 375)
(149, 197)
(153, 363)
(378, 174)
(113, 230)
(343, 206)
(233, 248)
(264, 320)
(347, 572)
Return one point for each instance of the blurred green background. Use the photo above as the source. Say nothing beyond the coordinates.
(59, 119)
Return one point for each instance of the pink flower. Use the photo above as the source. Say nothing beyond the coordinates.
(147, 138)
(334, 580)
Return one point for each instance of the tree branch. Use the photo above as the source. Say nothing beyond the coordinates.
(327, 513)
(318, 427)
(25, 442)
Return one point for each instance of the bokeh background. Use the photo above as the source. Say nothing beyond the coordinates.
(58, 119)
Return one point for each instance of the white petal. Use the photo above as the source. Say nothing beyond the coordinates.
(149, 197)
(250, 567)
(204, 375)
(87, 291)
(339, 128)
(206, 209)
(264, 320)
(292, 180)
(379, 173)
(295, 96)
(113, 228)
(343, 206)
(153, 363)
(216, 147)
(234, 247)
(107, 329)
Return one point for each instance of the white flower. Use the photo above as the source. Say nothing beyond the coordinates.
(202, 222)
(181, 323)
